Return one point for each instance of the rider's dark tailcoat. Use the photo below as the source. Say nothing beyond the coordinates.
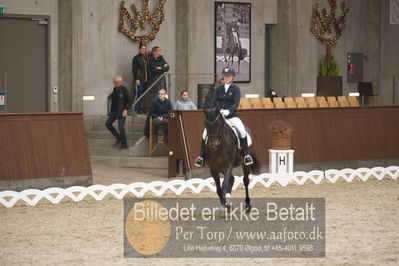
(229, 100)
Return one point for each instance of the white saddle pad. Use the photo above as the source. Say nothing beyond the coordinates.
(249, 139)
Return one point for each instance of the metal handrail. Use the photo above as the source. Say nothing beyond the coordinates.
(169, 82)
(148, 89)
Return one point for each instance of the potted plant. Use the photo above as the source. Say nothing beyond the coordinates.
(327, 28)
(329, 83)
(281, 135)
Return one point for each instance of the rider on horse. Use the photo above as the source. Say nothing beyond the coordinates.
(228, 97)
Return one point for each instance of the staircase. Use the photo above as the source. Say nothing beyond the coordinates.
(102, 151)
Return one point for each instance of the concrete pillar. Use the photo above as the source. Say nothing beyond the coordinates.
(389, 57)
(181, 82)
(373, 44)
(65, 59)
(294, 50)
(280, 49)
(71, 56)
(77, 55)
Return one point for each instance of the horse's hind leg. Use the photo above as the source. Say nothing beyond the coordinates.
(246, 183)
(231, 183)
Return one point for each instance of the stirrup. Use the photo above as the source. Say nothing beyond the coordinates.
(248, 160)
(199, 161)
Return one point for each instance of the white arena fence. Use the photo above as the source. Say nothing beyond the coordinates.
(196, 185)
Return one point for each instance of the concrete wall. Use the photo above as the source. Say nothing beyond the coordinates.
(84, 34)
(390, 57)
(296, 52)
(107, 52)
(201, 31)
(47, 8)
(186, 36)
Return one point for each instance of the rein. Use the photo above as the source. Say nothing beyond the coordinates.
(214, 121)
(219, 132)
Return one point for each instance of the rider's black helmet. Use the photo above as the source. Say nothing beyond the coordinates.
(228, 71)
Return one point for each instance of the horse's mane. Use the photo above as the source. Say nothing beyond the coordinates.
(207, 102)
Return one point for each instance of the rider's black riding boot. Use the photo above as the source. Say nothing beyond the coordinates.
(244, 148)
(200, 161)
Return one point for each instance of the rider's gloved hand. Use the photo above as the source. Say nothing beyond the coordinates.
(225, 112)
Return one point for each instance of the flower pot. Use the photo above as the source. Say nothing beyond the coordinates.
(329, 86)
(281, 140)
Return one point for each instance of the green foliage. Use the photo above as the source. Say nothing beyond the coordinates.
(329, 67)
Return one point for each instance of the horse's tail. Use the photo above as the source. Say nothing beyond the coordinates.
(255, 167)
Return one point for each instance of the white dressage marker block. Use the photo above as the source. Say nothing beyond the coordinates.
(281, 161)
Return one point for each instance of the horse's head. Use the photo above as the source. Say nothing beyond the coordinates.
(214, 124)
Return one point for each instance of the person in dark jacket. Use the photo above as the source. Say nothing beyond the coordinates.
(158, 66)
(121, 101)
(140, 69)
(159, 113)
(228, 97)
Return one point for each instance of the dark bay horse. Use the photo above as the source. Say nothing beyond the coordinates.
(222, 155)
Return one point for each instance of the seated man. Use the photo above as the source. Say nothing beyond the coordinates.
(185, 103)
(159, 113)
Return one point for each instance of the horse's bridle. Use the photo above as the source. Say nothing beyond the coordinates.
(214, 121)
(218, 134)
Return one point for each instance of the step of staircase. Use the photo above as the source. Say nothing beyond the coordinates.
(108, 151)
(107, 135)
(128, 127)
(100, 142)
(102, 118)
(98, 122)
(149, 163)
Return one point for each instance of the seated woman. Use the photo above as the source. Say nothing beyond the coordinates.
(185, 103)
(159, 113)
(228, 97)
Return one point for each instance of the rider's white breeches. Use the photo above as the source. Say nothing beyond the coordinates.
(232, 122)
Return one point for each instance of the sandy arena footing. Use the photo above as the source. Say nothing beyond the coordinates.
(361, 223)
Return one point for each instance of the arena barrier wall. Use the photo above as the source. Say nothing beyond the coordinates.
(43, 150)
(320, 134)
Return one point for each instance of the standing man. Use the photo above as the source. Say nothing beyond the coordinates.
(140, 71)
(121, 101)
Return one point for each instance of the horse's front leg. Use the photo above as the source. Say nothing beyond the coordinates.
(246, 183)
(226, 187)
(216, 178)
(229, 203)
